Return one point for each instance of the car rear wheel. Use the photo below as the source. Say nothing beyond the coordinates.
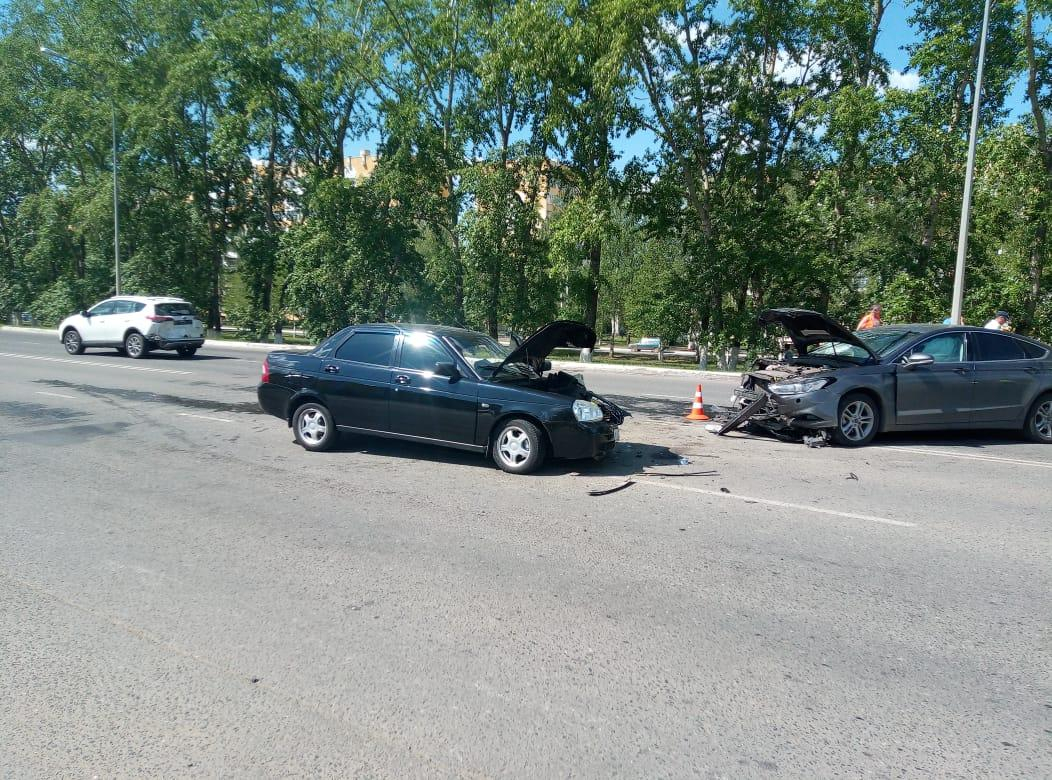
(186, 351)
(519, 447)
(1039, 420)
(73, 343)
(858, 420)
(135, 345)
(314, 427)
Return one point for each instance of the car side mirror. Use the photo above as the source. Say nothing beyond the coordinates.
(918, 359)
(546, 365)
(85, 313)
(447, 370)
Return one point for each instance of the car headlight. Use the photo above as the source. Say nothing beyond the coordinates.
(586, 411)
(799, 388)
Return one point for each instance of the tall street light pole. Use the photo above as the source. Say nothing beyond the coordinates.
(116, 200)
(969, 174)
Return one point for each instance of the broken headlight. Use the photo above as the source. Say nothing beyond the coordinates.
(586, 411)
(799, 388)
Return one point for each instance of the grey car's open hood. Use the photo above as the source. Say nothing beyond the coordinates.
(561, 333)
(807, 328)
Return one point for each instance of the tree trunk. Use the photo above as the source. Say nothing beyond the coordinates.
(591, 304)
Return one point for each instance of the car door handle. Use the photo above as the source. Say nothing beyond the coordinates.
(1030, 370)
(331, 369)
(401, 379)
(960, 371)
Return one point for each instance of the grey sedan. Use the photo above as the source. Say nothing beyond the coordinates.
(896, 378)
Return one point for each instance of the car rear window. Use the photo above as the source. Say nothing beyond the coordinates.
(374, 348)
(175, 309)
(1033, 351)
(994, 346)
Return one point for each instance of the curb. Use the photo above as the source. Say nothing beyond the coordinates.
(565, 365)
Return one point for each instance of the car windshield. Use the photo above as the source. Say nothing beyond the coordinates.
(882, 341)
(481, 352)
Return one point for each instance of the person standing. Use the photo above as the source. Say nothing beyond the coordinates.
(872, 318)
(1000, 321)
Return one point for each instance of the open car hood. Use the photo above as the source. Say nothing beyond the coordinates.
(807, 328)
(561, 333)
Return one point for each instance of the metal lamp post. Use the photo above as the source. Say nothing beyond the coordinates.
(116, 201)
(969, 174)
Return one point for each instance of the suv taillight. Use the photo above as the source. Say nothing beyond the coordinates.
(159, 318)
(266, 371)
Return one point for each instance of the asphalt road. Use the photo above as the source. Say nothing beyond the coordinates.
(185, 592)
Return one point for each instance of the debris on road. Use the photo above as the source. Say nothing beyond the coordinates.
(820, 439)
(852, 475)
(608, 491)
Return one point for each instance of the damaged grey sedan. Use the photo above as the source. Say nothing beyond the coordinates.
(852, 386)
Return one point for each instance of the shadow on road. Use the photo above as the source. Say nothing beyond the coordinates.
(627, 458)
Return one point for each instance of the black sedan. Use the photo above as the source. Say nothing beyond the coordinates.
(446, 386)
(897, 378)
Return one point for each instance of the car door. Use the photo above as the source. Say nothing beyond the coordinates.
(121, 319)
(1006, 379)
(939, 394)
(98, 322)
(355, 382)
(425, 404)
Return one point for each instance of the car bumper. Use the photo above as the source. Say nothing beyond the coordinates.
(807, 411)
(582, 440)
(159, 342)
(274, 399)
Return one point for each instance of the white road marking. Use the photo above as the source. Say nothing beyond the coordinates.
(204, 417)
(781, 504)
(56, 395)
(95, 363)
(972, 456)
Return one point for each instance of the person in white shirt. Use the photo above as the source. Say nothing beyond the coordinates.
(999, 322)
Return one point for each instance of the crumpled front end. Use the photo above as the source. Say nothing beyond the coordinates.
(755, 403)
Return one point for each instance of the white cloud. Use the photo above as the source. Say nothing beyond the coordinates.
(903, 80)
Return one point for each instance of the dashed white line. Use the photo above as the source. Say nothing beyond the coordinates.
(95, 363)
(972, 456)
(780, 504)
(204, 417)
(56, 395)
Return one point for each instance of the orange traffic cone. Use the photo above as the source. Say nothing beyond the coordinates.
(697, 411)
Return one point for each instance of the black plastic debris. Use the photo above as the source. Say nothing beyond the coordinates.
(608, 491)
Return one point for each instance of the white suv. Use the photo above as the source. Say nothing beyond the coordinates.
(134, 325)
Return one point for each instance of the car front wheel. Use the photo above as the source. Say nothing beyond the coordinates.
(73, 343)
(519, 447)
(135, 345)
(1039, 420)
(858, 420)
(314, 427)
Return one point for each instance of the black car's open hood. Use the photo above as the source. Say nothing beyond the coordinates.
(561, 333)
(807, 328)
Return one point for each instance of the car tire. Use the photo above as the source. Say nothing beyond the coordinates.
(519, 447)
(1038, 425)
(72, 341)
(186, 352)
(857, 420)
(135, 345)
(314, 428)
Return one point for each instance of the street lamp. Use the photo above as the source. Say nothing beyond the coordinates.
(969, 173)
(116, 209)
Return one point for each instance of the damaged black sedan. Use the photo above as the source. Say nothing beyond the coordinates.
(852, 386)
(446, 386)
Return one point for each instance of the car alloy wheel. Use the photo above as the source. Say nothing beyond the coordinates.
(856, 421)
(73, 343)
(313, 427)
(135, 345)
(1039, 421)
(519, 447)
(514, 446)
